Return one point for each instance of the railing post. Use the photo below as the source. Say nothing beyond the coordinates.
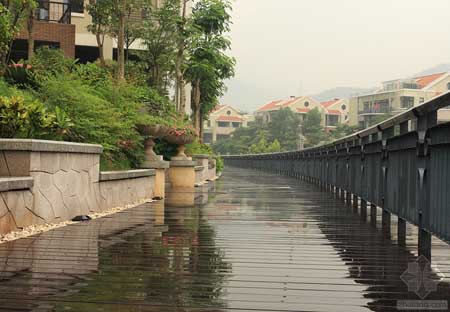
(373, 215)
(386, 215)
(355, 203)
(423, 186)
(401, 224)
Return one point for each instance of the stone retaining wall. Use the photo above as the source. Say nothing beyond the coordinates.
(63, 180)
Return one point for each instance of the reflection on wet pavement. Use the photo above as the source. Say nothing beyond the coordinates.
(255, 242)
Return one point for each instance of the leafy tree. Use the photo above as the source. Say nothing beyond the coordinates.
(160, 39)
(208, 65)
(182, 41)
(343, 130)
(285, 128)
(312, 128)
(13, 13)
(101, 12)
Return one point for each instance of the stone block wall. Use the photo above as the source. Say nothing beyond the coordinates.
(50, 182)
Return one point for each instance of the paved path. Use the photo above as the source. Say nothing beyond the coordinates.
(258, 242)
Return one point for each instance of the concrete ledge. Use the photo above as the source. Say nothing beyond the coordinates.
(123, 175)
(201, 156)
(155, 165)
(16, 183)
(48, 146)
(199, 168)
(182, 163)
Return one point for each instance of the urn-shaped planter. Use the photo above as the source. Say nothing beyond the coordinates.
(180, 138)
(151, 133)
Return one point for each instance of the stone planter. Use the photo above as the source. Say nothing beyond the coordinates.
(151, 133)
(180, 140)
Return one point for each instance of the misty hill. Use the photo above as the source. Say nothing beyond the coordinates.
(340, 93)
(433, 70)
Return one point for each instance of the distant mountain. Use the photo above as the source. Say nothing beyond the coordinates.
(433, 70)
(340, 93)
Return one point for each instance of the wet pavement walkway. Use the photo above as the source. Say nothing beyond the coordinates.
(255, 242)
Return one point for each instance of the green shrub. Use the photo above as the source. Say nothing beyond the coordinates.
(19, 74)
(48, 62)
(31, 120)
(100, 114)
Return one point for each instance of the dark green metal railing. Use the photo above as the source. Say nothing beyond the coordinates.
(401, 165)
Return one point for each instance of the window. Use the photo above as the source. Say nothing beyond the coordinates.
(228, 113)
(306, 104)
(223, 124)
(332, 120)
(346, 117)
(421, 100)
(344, 107)
(77, 6)
(448, 86)
(406, 101)
(236, 124)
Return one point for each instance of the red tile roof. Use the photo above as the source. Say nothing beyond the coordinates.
(277, 105)
(329, 103)
(303, 110)
(271, 106)
(333, 112)
(424, 81)
(229, 118)
(218, 107)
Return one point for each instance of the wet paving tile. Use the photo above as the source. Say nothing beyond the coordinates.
(254, 242)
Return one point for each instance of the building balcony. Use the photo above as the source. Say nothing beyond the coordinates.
(375, 111)
(53, 12)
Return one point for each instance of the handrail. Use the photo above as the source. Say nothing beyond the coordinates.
(405, 173)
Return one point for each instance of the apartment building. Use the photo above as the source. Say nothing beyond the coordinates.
(396, 96)
(333, 112)
(52, 27)
(222, 122)
(300, 105)
(64, 24)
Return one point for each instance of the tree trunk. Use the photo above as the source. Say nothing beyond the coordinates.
(180, 83)
(101, 54)
(121, 41)
(182, 91)
(30, 27)
(196, 106)
(200, 135)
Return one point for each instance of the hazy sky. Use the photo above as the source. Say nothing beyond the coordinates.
(302, 47)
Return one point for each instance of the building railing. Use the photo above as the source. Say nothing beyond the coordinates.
(401, 165)
(375, 110)
(55, 12)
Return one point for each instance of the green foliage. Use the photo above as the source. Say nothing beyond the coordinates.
(101, 114)
(343, 130)
(208, 64)
(12, 16)
(281, 134)
(264, 147)
(31, 120)
(313, 130)
(19, 74)
(48, 62)
(6, 31)
(285, 128)
(197, 148)
(160, 37)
